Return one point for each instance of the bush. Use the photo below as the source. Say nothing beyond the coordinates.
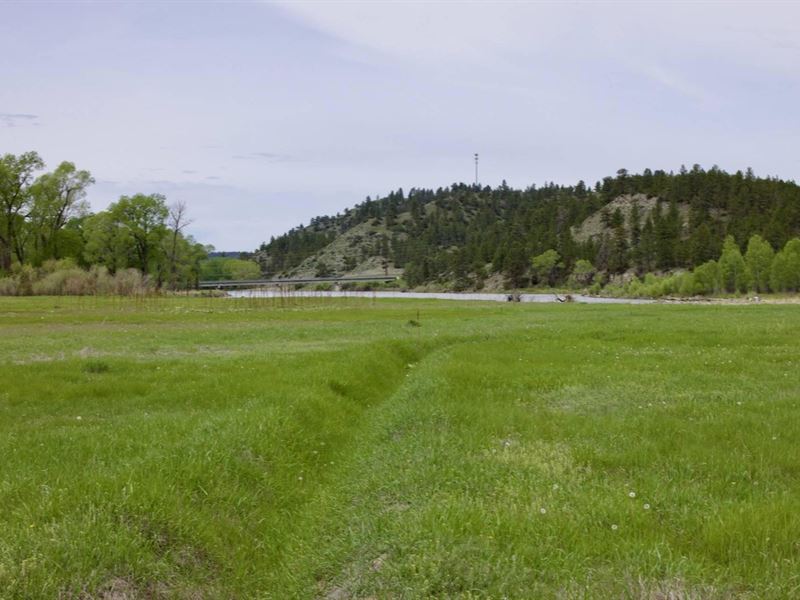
(8, 286)
(103, 282)
(582, 274)
(130, 282)
(58, 278)
(25, 275)
(73, 282)
(707, 278)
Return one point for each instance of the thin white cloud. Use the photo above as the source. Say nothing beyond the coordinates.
(494, 33)
(272, 157)
(15, 119)
(436, 33)
(675, 82)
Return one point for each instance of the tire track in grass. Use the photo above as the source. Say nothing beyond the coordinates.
(326, 558)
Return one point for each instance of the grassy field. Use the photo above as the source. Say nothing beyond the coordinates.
(215, 448)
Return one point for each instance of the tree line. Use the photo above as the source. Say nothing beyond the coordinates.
(44, 217)
(462, 234)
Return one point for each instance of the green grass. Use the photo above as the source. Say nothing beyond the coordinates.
(216, 448)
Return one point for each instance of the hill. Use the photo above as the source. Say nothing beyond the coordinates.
(461, 235)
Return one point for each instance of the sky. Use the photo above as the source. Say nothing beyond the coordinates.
(262, 115)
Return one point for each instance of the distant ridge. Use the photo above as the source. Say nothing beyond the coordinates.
(227, 253)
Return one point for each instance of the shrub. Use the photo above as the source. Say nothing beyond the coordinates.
(25, 276)
(103, 281)
(707, 278)
(8, 286)
(74, 282)
(128, 282)
(62, 277)
(582, 274)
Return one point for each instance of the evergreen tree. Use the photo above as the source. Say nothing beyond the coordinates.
(618, 255)
(516, 264)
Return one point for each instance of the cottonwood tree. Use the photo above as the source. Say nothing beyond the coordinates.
(583, 273)
(732, 266)
(106, 243)
(707, 278)
(546, 266)
(785, 271)
(758, 259)
(16, 177)
(56, 198)
(143, 217)
(177, 221)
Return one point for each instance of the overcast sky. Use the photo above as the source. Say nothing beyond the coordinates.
(262, 115)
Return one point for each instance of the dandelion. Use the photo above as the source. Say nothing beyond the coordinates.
(300, 478)
(614, 527)
(631, 494)
(79, 417)
(647, 507)
(543, 510)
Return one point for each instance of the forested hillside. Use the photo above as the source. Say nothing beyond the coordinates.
(654, 221)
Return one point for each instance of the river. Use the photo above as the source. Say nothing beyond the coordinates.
(436, 296)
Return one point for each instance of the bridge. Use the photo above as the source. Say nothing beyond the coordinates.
(245, 283)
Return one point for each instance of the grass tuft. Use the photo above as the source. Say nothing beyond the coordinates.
(96, 366)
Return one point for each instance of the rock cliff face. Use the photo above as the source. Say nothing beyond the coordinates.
(595, 225)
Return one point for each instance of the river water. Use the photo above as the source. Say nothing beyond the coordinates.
(435, 296)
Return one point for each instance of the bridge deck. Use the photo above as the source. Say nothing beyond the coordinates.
(279, 282)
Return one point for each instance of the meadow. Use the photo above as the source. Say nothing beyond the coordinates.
(218, 448)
